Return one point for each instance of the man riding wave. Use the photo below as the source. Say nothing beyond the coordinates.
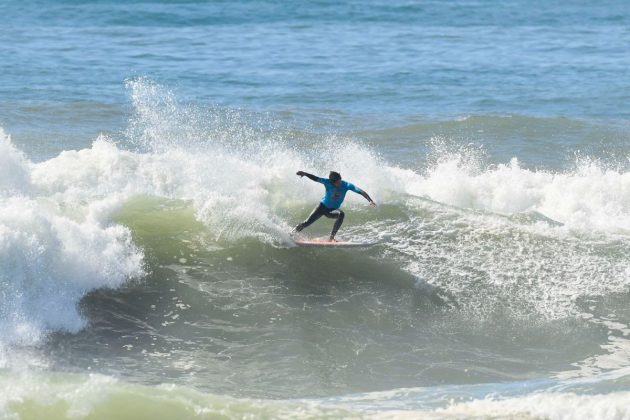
(336, 190)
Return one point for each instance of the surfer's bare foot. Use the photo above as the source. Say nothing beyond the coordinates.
(332, 240)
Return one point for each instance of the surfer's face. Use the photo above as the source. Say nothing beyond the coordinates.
(337, 183)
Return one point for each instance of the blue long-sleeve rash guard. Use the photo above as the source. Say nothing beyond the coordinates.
(335, 195)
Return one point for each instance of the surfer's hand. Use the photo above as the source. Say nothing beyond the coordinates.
(300, 173)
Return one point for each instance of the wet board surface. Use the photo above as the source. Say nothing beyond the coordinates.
(328, 244)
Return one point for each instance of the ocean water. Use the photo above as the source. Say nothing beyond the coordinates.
(148, 152)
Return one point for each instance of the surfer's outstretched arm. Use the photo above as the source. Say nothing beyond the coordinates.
(309, 176)
(366, 196)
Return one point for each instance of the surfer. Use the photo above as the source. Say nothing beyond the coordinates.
(336, 190)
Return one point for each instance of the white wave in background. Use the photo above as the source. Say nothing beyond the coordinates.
(590, 198)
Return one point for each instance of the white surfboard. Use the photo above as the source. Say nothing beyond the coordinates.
(332, 244)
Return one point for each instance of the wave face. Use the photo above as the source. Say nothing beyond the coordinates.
(164, 251)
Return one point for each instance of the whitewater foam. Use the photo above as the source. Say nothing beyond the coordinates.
(49, 262)
(50, 258)
(555, 406)
(590, 198)
(14, 174)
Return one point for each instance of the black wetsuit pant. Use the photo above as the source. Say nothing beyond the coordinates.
(320, 211)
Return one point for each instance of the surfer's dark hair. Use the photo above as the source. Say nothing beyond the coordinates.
(334, 176)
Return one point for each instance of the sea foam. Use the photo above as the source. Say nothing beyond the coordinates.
(50, 258)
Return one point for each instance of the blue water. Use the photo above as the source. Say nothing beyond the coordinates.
(147, 188)
(382, 58)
